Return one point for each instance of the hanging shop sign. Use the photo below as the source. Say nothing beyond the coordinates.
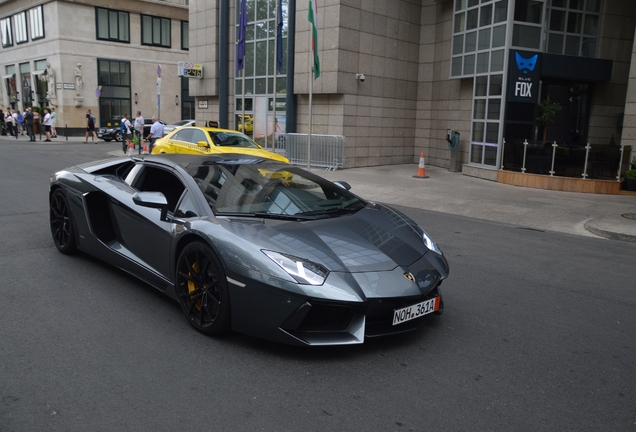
(524, 74)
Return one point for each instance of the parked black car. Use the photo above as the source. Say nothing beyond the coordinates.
(111, 130)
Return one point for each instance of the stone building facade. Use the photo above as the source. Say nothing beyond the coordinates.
(430, 66)
(60, 53)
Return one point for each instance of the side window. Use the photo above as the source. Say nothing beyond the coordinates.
(198, 135)
(187, 208)
(153, 179)
(184, 135)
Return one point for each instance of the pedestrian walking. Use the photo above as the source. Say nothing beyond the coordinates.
(14, 115)
(46, 121)
(156, 132)
(126, 129)
(90, 126)
(3, 124)
(53, 123)
(28, 121)
(139, 129)
(20, 118)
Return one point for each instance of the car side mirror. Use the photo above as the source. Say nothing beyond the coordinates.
(152, 200)
(202, 144)
(343, 184)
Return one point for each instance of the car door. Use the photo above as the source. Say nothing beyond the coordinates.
(181, 141)
(199, 136)
(141, 229)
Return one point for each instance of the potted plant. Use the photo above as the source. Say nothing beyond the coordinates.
(546, 113)
(630, 180)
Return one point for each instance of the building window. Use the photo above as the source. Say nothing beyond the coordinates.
(36, 23)
(260, 54)
(155, 31)
(478, 29)
(113, 25)
(19, 21)
(573, 27)
(185, 35)
(114, 77)
(25, 79)
(40, 82)
(7, 33)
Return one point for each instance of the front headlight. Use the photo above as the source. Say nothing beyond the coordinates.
(430, 243)
(303, 271)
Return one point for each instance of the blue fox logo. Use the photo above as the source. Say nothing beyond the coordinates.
(526, 64)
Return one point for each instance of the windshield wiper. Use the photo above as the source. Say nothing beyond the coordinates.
(331, 211)
(297, 216)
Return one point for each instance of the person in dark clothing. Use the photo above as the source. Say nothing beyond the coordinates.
(28, 121)
(3, 128)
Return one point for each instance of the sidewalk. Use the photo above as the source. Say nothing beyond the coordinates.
(454, 193)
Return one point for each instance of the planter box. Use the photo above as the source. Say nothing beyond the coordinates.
(630, 184)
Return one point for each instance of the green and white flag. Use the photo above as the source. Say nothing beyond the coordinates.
(313, 19)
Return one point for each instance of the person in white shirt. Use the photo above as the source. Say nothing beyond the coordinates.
(156, 132)
(139, 128)
(9, 121)
(16, 124)
(47, 124)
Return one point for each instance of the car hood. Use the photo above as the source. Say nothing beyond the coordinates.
(375, 238)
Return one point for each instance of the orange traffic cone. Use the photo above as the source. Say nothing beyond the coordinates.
(421, 170)
(131, 148)
(145, 149)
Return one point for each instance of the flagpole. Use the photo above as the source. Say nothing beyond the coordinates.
(242, 25)
(311, 91)
(243, 104)
(275, 73)
(314, 70)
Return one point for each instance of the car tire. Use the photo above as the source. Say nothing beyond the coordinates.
(62, 228)
(202, 289)
(118, 136)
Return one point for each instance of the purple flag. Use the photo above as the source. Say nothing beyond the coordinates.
(240, 42)
(279, 37)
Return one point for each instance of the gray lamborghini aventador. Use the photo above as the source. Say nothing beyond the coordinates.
(253, 245)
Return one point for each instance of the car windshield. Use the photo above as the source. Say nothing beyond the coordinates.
(230, 139)
(180, 123)
(270, 189)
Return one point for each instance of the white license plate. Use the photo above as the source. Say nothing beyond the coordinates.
(415, 311)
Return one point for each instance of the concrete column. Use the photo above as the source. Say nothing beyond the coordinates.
(629, 121)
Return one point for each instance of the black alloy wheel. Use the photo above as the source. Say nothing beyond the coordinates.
(61, 224)
(202, 289)
(118, 136)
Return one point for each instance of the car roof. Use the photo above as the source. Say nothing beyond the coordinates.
(212, 129)
(183, 160)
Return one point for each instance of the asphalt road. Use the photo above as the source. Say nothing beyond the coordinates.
(538, 334)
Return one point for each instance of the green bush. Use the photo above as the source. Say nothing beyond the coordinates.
(630, 174)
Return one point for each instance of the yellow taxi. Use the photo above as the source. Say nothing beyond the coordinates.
(207, 140)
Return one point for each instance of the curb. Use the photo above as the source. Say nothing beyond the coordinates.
(594, 229)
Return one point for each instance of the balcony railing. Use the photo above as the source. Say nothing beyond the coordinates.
(589, 161)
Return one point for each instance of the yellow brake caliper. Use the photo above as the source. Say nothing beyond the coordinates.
(192, 286)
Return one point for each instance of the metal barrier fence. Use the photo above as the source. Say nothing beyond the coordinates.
(567, 160)
(327, 151)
